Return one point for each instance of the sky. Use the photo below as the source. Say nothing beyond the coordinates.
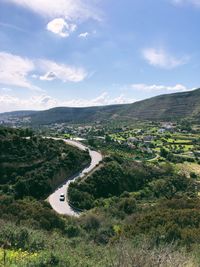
(96, 52)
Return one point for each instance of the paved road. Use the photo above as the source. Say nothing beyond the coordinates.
(62, 207)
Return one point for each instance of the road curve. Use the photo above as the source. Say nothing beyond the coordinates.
(63, 207)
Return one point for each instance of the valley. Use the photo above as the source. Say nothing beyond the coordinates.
(54, 199)
(108, 184)
(148, 172)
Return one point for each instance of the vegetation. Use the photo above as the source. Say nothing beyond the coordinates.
(114, 178)
(33, 166)
(136, 212)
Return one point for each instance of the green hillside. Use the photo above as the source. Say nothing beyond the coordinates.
(35, 166)
(171, 106)
(74, 115)
(164, 107)
(141, 212)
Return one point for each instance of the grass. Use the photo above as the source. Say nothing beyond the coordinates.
(16, 257)
(68, 136)
(188, 167)
(122, 254)
(178, 141)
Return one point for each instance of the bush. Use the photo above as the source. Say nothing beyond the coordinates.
(72, 231)
(91, 222)
(127, 205)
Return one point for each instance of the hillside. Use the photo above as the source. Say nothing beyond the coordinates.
(20, 113)
(139, 212)
(17, 114)
(163, 107)
(170, 106)
(75, 115)
(35, 166)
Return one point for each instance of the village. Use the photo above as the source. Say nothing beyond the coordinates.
(152, 141)
(176, 142)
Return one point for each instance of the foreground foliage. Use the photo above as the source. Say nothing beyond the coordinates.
(117, 176)
(139, 214)
(34, 166)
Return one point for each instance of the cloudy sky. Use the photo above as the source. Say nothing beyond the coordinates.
(96, 52)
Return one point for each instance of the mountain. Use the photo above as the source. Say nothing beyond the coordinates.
(164, 107)
(75, 115)
(17, 114)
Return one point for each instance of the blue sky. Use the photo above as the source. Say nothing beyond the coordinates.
(96, 52)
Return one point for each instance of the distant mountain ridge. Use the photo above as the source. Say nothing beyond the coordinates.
(164, 107)
(19, 113)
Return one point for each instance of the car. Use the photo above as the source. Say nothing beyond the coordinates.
(62, 197)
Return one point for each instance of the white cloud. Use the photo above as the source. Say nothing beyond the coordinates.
(14, 70)
(34, 76)
(5, 90)
(160, 88)
(62, 72)
(69, 9)
(185, 2)
(62, 13)
(17, 71)
(161, 58)
(105, 99)
(49, 76)
(60, 27)
(40, 102)
(84, 35)
(11, 102)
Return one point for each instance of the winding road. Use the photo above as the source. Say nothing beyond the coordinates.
(63, 207)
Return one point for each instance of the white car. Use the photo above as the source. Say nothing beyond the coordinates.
(62, 197)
